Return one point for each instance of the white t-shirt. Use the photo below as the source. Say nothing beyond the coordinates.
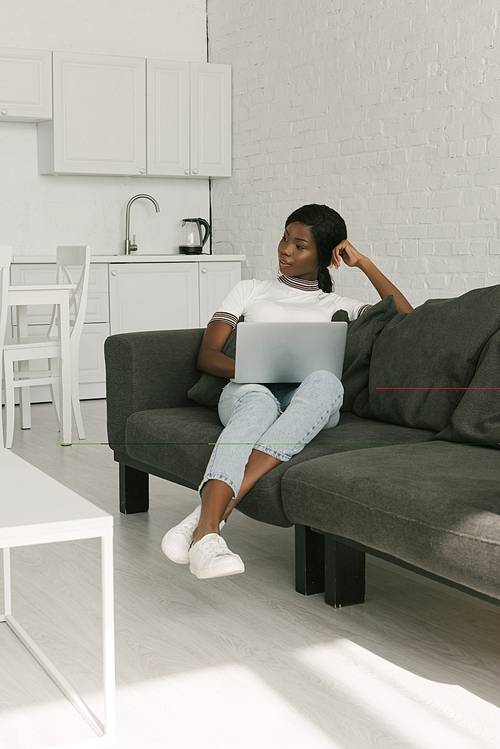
(283, 299)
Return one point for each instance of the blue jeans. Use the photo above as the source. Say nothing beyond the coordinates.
(278, 420)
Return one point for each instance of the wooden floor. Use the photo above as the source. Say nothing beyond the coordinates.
(242, 662)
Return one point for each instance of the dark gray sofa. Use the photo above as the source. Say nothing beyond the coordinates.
(411, 473)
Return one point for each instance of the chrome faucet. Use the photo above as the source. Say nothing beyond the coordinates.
(129, 247)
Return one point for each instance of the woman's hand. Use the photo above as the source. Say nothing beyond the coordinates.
(349, 254)
(354, 259)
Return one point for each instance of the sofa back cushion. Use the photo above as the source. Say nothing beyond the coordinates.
(422, 361)
(361, 335)
(476, 420)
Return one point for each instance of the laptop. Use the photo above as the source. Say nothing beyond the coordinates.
(288, 351)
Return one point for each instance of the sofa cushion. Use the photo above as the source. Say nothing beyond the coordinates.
(176, 440)
(180, 441)
(420, 359)
(477, 417)
(351, 433)
(361, 335)
(434, 505)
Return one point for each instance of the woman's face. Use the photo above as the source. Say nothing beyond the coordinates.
(297, 253)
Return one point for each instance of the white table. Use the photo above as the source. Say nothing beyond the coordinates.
(36, 509)
(58, 295)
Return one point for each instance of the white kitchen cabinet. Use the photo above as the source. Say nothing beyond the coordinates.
(169, 295)
(210, 96)
(168, 118)
(99, 124)
(153, 296)
(28, 274)
(25, 85)
(101, 109)
(216, 279)
(92, 372)
(189, 119)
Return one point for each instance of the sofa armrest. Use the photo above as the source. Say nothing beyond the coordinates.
(146, 370)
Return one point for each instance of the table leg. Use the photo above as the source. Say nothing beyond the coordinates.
(108, 636)
(65, 371)
(7, 589)
(24, 366)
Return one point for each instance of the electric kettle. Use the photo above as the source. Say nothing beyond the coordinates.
(192, 241)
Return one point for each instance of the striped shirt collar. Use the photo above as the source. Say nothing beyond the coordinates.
(298, 283)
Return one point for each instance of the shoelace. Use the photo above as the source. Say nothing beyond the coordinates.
(216, 544)
(193, 524)
(189, 526)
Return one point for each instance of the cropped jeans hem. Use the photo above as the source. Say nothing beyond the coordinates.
(220, 477)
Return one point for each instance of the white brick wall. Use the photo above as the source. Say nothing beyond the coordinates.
(386, 110)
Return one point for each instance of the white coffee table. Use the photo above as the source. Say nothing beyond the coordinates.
(36, 509)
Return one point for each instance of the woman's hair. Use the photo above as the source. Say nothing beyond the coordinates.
(328, 229)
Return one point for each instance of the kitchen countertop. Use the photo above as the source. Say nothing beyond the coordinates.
(136, 258)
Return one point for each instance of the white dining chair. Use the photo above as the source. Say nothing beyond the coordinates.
(73, 269)
(5, 260)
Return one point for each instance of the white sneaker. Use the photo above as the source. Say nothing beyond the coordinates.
(210, 557)
(175, 544)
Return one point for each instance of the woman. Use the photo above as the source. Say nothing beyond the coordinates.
(267, 425)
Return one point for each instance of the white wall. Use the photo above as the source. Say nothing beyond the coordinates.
(386, 110)
(38, 212)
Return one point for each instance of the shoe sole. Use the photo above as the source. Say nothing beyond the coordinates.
(222, 572)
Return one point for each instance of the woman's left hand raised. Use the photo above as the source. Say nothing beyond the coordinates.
(345, 251)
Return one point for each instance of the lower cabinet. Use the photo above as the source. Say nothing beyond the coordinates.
(216, 279)
(92, 371)
(153, 296)
(127, 297)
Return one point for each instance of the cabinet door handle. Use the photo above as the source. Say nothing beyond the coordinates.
(114, 272)
(203, 270)
(142, 171)
(195, 171)
(186, 171)
(5, 111)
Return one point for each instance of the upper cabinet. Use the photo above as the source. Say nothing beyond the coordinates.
(168, 118)
(111, 118)
(189, 119)
(25, 85)
(210, 101)
(99, 124)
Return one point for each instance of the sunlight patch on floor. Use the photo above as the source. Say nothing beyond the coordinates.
(228, 707)
(47, 724)
(416, 710)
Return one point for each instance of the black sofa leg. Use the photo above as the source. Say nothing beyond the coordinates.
(309, 561)
(344, 574)
(134, 490)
